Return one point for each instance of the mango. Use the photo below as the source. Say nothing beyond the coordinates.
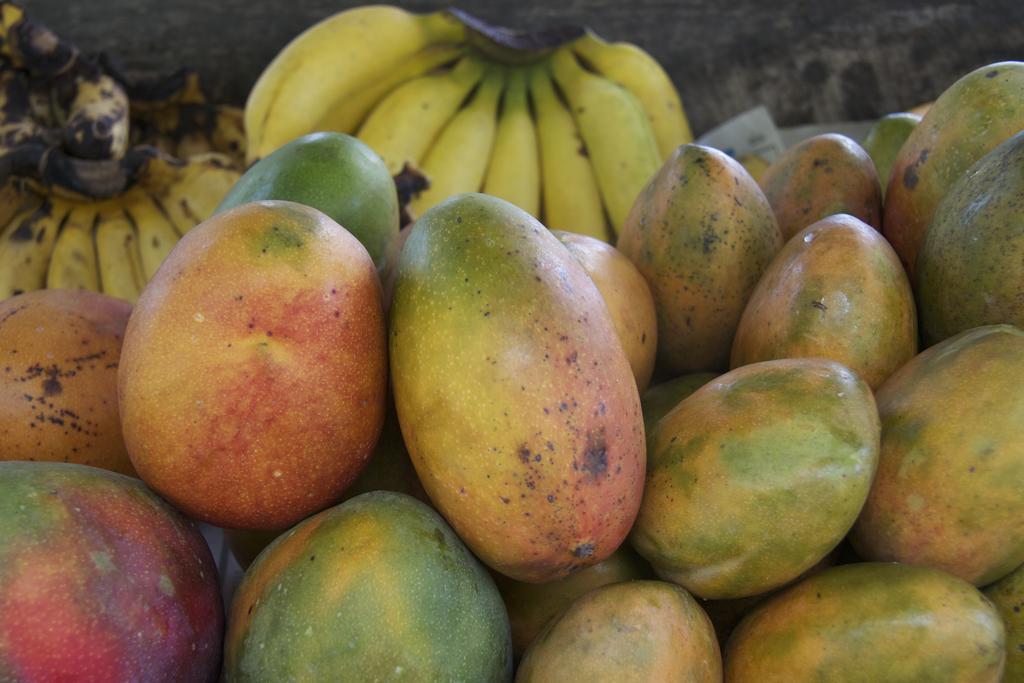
(532, 605)
(657, 401)
(389, 469)
(756, 476)
(632, 631)
(725, 615)
(702, 233)
(836, 290)
(970, 270)
(101, 580)
(820, 177)
(376, 588)
(59, 352)
(884, 140)
(971, 118)
(253, 375)
(948, 489)
(870, 622)
(1007, 595)
(335, 173)
(627, 296)
(516, 400)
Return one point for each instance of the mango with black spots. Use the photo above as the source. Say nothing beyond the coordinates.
(335, 173)
(970, 270)
(948, 489)
(627, 296)
(59, 353)
(376, 588)
(101, 580)
(836, 290)
(968, 120)
(253, 375)
(870, 622)
(820, 177)
(756, 476)
(1007, 594)
(702, 233)
(516, 400)
(632, 631)
(532, 605)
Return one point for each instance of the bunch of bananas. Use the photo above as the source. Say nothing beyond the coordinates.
(562, 123)
(100, 175)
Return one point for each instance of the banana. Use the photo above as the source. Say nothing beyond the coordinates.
(641, 74)
(14, 199)
(73, 263)
(514, 170)
(457, 162)
(26, 245)
(346, 115)
(156, 233)
(97, 119)
(333, 60)
(120, 264)
(571, 197)
(403, 125)
(17, 125)
(616, 131)
(189, 193)
(228, 134)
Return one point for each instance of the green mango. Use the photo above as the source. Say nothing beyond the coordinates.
(332, 172)
(884, 140)
(755, 477)
(376, 588)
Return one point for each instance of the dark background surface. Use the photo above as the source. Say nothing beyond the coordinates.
(807, 61)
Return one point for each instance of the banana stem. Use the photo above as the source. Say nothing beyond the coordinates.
(513, 47)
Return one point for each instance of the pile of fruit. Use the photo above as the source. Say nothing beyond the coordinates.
(774, 433)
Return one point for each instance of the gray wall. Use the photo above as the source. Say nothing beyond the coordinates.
(807, 61)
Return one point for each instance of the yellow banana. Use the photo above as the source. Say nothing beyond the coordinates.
(120, 263)
(73, 263)
(641, 74)
(26, 246)
(571, 197)
(404, 124)
(189, 193)
(332, 60)
(457, 162)
(616, 131)
(14, 199)
(228, 134)
(213, 129)
(514, 170)
(155, 231)
(346, 115)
